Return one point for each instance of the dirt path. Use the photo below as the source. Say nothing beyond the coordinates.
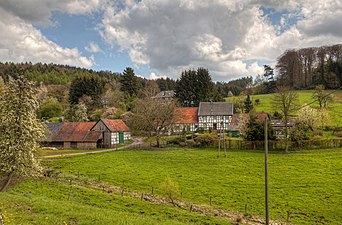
(137, 142)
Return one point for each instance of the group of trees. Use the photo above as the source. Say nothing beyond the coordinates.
(308, 67)
(195, 86)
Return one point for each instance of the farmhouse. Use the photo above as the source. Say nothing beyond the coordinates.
(215, 115)
(186, 120)
(86, 135)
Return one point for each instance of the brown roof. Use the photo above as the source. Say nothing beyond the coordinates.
(76, 132)
(186, 115)
(116, 125)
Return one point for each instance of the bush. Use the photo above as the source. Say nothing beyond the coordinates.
(177, 140)
(206, 139)
(338, 133)
(190, 143)
(170, 189)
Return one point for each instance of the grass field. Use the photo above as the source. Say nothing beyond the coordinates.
(45, 202)
(305, 97)
(307, 184)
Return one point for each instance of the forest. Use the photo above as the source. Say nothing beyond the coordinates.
(79, 94)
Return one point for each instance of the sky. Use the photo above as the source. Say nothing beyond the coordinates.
(162, 38)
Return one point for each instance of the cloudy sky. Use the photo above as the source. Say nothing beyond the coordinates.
(164, 37)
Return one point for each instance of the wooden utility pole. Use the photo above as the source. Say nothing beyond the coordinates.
(266, 175)
(219, 145)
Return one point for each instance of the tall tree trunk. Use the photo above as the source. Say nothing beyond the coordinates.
(9, 179)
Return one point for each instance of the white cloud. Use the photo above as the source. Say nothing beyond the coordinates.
(21, 42)
(154, 76)
(221, 35)
(93, 48)
(39, 12)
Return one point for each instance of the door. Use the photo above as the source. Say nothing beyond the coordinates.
(121, 137)
(215, 126)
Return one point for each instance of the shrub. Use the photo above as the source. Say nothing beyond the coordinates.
(177, 140)
(206, 139)
(170, 189)
(190, 143)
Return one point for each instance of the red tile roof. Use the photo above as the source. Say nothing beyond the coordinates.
(116, 125)
(76, 132)
(186, 115)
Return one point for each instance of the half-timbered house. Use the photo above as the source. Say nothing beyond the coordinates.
(186, 120)
(215, 115)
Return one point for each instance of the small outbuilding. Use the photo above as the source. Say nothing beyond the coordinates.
(113, 132)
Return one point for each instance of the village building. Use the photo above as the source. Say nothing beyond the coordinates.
(165, 95)
(186, 120)
(113, 132)
(215, 115)
(74, 135)
(86, 135)
(279, 128)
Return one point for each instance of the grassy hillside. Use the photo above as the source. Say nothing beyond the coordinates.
(305, 97)
(45, 202)
(306, 184)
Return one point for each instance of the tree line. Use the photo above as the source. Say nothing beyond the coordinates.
(308, 67)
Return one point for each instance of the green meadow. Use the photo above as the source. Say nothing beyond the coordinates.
(304, 187)
(305, 97)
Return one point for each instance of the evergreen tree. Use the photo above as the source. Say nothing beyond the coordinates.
(248, 105)
(20, 129)
(270, 83)
(129, 83)
(194, 87)
(255, 131)
(92, 86)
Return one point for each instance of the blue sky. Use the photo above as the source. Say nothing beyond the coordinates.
(163, 38)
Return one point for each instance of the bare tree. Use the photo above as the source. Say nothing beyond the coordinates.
(153, 117)
(286, 101)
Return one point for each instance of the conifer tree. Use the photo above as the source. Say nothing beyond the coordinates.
(129, 82)
(248, 105)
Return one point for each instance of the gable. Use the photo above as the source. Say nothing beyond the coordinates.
(116, 125)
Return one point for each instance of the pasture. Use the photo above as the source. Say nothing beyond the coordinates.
(305, 97)
(305, 187)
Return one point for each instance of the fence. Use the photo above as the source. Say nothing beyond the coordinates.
(236, 144)
(280, 144)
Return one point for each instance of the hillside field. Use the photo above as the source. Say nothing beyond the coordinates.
(305, 97)
(304, 184)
